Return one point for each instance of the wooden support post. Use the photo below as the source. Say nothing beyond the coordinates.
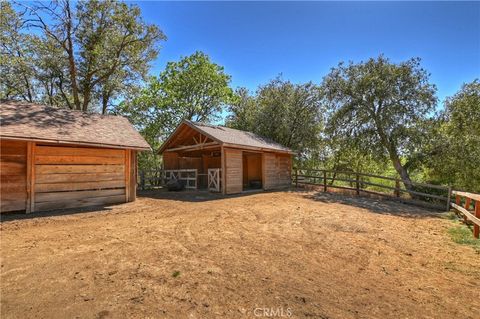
(467, 207)
(449, 197)
(397, 188)
(127, 175)
(133, 176)
(324, 181)
(224, 173)
(476, 228)
(30, 162)
(357, 183)
(30, 204)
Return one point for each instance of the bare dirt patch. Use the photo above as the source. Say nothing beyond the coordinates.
(199, 255)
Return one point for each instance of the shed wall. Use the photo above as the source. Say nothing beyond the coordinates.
(13, 177)
(67, 177)
(234, 173)
(277, 170)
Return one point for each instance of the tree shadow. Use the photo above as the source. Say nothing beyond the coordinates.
(377, 205)
(59, 121)
(21, 215)
(193, 195)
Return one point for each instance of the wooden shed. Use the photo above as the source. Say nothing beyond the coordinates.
(225, 159)
(53, 158)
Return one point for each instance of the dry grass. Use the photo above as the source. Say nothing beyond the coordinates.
(204, 256)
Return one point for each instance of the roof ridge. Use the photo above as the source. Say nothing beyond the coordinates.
(247, 136)
(58, 108)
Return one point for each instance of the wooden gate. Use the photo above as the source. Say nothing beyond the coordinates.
(214, 178)
(188, 176)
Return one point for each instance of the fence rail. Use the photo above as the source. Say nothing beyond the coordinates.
(151, 179)
(424, 193)
(158, 178)
(472, 216)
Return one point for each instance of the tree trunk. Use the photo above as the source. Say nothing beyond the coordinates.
(401, 170)
(71, 58)
(105, 98)
(392, 152)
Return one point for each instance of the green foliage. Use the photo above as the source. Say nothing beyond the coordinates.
(374, 116)
(193, 88)
(380, 108)
(85, 54)
(455, 144)
(290, 114)
(463, 235)
(17, 56)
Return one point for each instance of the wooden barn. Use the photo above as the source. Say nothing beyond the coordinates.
(53, 158)
(225, 159)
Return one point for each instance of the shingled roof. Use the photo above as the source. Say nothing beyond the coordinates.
(29, 121)
(231, 137)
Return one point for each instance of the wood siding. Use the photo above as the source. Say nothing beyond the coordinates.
(276, 170)
(67, 177)
(233, 167)
(13, 175)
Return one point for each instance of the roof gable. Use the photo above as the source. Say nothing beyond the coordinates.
(229, 136)
(28, 121)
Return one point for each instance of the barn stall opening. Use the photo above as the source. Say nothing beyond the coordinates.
(223, 159)
(53, 158)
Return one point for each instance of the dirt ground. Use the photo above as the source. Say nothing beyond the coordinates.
(198, 255)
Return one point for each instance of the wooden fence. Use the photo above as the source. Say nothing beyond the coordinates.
(468, 215)
(154, 179)
(437, 196)
(151, 179)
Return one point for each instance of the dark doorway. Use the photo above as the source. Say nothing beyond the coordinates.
(252, 171)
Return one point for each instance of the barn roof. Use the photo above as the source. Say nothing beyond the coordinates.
(231, 137)
(29, 121)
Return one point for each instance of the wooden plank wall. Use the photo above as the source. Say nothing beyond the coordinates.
(270, 176)
(13, 177)
(133, 176)
(66, 177)
(284, 167)
(234, 173)
(170, 160)
(277, 170)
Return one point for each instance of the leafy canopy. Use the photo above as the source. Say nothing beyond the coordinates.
(290, 114)
(83, 55)
(382, 107)
(193, 88)
(455, 147)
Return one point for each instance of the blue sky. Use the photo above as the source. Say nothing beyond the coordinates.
(255, 41)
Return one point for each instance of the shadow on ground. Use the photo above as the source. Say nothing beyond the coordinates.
(11, 216)
(375, 205)
(192, 195)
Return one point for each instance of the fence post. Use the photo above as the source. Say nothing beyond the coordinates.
(357, 182)
(325, 181)
(449, 197)
(476, 228)
(397, 188)
(467, 207)
(296, 178)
